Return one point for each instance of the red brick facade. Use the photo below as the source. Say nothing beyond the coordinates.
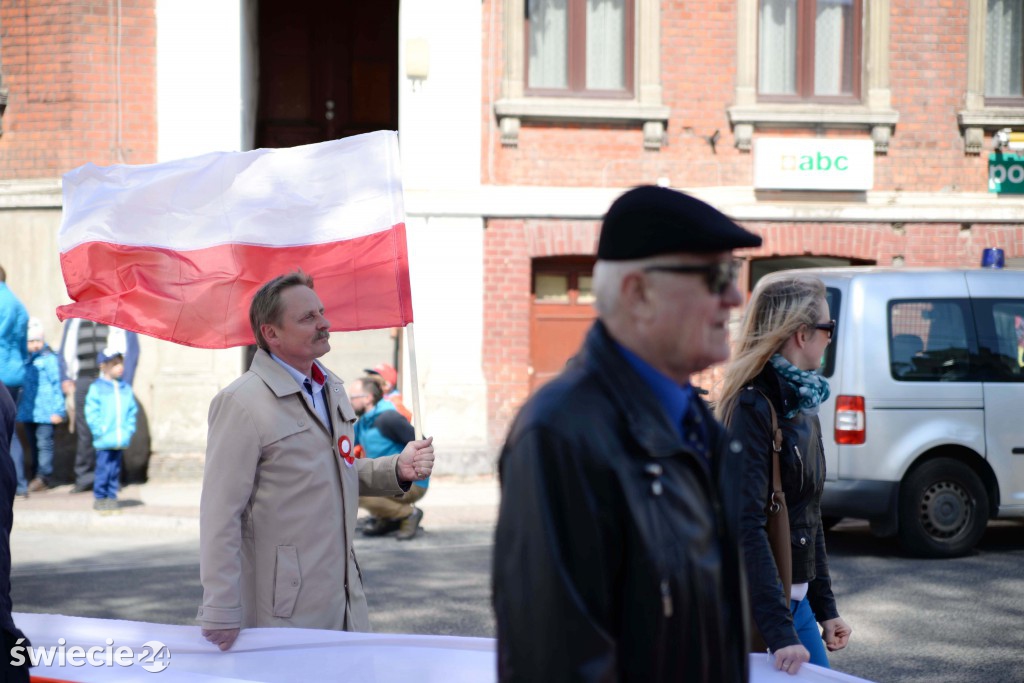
(60, 65)
(928, 57)
(928, 81)
(509, 249)
(510, 246)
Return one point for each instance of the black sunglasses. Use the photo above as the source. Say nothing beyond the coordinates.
(718, 276)
(829, 327)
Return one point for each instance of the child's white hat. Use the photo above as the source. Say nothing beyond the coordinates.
(108, 354)
(35, 329)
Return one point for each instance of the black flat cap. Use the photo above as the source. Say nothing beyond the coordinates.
(650, 221)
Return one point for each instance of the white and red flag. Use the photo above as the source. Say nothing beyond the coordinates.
(176, 250)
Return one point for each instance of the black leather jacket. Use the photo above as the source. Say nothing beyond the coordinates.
(616, 555)
(802, 467)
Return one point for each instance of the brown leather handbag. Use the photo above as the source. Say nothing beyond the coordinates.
(777, 528)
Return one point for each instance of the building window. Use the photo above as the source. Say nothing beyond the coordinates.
(582, 62)
(578, 47)
(803, 64)
(1004, 52)
(995, 71)
(809, 50)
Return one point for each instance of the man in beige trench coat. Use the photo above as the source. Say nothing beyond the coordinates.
(281, 488)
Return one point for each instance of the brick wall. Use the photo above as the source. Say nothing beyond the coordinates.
(509, 248)
(928, 59)
(928, 65)
(65, 108)
(510, 245)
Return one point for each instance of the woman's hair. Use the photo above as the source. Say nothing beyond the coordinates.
(779, 307)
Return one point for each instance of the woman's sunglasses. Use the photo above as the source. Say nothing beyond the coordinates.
(829, 327)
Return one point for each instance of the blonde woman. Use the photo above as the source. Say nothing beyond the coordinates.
(785, 333)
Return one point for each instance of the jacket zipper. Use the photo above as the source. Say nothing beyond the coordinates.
(796, 449)
(117, 417)
(665, 586)
(666, 598)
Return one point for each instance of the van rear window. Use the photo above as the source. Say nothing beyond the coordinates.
(1000, 324)
(956, 340)
(929, 340)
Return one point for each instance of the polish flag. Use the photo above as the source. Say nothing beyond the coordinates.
(177, 250)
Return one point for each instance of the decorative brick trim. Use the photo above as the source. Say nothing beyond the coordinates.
(560, 238)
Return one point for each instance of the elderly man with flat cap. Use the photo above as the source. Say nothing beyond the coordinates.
(616, 553)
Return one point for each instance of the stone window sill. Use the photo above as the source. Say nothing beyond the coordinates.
(976, 121)
(511, 112)
(745, 119)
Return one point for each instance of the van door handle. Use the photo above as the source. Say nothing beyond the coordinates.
(1018, 451)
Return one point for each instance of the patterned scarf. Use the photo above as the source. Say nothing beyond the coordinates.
(811, 387)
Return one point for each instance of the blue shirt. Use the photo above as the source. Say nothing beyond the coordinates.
(674, 399)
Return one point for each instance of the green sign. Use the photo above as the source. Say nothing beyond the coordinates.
(1005, 173)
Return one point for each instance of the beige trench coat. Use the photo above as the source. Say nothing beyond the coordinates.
(278, 507)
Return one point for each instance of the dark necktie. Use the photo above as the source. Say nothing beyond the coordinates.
(309, 390)
(694, 429)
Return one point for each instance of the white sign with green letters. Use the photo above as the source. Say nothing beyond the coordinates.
(813, 164)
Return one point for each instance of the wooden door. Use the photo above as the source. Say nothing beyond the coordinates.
(561, 313)
(328, 69)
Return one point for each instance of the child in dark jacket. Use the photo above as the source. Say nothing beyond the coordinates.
(110, 411)
(41, 405)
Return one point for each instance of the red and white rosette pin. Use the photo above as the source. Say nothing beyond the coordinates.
(345, 449)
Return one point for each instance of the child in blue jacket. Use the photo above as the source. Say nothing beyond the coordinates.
(110, 411)
(41, 405)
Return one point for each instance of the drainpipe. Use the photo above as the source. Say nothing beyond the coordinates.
(3, 90)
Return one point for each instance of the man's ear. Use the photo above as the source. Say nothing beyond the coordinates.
(637, 297)
(634, 289)
(269, 333)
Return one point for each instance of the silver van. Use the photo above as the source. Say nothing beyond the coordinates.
(924, 431)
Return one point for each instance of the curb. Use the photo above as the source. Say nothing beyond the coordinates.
(92, 521)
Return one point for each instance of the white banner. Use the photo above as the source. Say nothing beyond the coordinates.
(78, 649)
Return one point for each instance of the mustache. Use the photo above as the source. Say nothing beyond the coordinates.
(322, 335)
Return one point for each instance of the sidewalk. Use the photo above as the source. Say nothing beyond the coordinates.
(450, 502)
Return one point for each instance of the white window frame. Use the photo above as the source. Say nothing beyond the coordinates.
(644, 109)
(874, 113)
(976, 119)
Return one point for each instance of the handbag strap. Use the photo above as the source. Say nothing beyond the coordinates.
(776, 449)
(776, 510)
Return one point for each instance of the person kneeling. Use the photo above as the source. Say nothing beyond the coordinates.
(380, 431)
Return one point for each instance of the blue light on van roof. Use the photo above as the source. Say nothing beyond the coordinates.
(993, 257)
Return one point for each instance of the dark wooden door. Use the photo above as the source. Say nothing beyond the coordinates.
(561, 313)
(328, 69)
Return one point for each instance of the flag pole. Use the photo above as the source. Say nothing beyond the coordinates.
(410, 345)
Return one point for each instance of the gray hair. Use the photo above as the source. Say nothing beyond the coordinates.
(608, 276)
(266, 304)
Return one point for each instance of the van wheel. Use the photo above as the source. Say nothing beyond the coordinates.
(943, 509)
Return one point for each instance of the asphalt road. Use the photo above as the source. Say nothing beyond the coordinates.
(914, 621)
(927, 621)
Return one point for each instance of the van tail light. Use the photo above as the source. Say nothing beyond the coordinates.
(850, 426)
